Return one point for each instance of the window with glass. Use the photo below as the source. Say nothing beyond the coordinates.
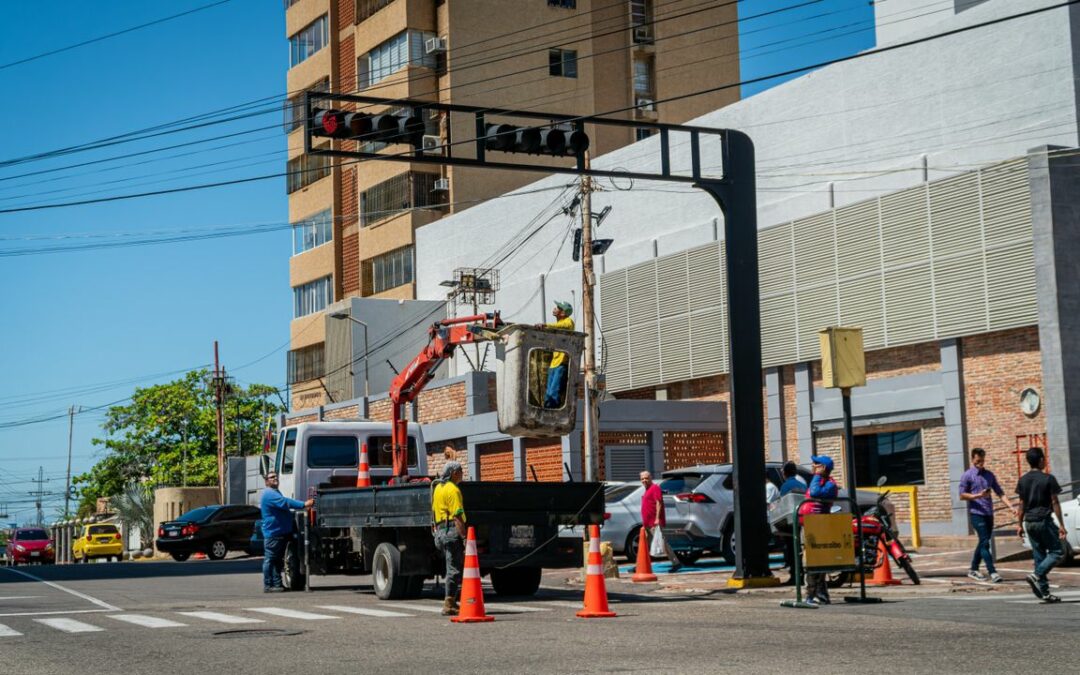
(641, 18)
(309, 40)
(896, 455)
(562, 62)
(401, 193)
(641, 134)
(306, 363)
(404, 49)
(304, 170)
(294, 107)
(312, 297)
(314, 231)
(324, 452)
(381, 451)
(643, 75)
(565, 4)
(390, 270)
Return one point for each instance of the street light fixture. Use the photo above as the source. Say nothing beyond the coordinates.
(343, 314)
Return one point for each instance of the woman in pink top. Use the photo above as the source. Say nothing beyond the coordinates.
(652, 514)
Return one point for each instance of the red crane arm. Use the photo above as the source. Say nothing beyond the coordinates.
(444, 338)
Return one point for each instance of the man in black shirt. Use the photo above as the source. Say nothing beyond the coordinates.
(1038, 504)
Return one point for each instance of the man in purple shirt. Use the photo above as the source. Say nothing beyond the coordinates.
(975, 487)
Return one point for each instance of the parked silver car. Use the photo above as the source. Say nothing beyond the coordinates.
(699, 509)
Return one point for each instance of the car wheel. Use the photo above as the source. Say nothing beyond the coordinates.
(516, 581)
(386, 575)
(688, 557)
(632, 539)
(728, 545)
(218, 550)
(292, 575)
(180, 556)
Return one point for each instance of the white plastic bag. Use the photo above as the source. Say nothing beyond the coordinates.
(657, 548)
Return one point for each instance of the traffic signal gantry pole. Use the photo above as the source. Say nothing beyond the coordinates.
(400, 121)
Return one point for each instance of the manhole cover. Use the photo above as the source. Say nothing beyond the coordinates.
(255, 633)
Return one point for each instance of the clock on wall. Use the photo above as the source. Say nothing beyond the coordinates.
(1030, 402)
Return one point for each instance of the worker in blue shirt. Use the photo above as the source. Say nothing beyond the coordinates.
(277, 527)
(792, 482)
(824, 488)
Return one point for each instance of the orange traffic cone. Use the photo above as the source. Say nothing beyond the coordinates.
(472, 594)
(595, 591)
(363, 472)
(199, 555)
(644, 571)
(883, 572)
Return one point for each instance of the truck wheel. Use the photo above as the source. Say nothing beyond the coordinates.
(292, 574)
(386, 575)
(728, 546)
(415, 587)
(516, 580)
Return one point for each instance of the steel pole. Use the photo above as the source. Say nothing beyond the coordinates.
(849, 473)
(67, 487)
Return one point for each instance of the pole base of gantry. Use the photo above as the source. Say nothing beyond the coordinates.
(798, 604)
(753, 582)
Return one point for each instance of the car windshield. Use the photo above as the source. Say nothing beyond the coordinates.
(199, 515)
(102, 529)
(32, 535)
(616, 493)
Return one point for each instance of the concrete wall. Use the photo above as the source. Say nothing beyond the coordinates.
(172, 502)
(833, 137)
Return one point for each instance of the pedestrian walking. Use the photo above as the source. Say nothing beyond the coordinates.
(976, 486)
(277, 529)
(824, 488)
(1038, 491)
(448, 529)
(652, 516)
(556, 379)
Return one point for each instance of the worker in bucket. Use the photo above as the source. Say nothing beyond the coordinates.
(448, 528)
(556, 381)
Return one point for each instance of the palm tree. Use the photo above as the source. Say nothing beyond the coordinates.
(135, 507)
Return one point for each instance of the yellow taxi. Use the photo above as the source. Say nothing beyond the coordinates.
(101, 540)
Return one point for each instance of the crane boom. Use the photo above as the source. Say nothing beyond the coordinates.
(444, 337)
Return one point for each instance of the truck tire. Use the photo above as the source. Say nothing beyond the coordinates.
(292, 572)
(414, 587)
(516, 581)
(386, 576)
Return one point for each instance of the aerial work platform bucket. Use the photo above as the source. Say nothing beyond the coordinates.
(534, 398)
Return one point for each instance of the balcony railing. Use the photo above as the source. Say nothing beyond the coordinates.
(365, 8)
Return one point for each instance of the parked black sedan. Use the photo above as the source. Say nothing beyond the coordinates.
(213, 530)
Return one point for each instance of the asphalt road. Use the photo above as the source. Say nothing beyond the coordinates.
(165, 617)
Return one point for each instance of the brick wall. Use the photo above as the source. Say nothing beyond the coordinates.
(646, 394)
(997, 367)
(613, 438)
(496, 460)
(438, 404)
(303, 418)
(687, 448)
(895, 361)
(381, 410)
(436, 456)
(544, 455)
(348, 412)
(345, 16)
(935, 502)
(791, 418)
(350, 257)
(492, 394)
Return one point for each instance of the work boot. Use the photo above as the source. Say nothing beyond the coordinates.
(449, 607)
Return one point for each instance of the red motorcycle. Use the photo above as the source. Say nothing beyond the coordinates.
(876, 529)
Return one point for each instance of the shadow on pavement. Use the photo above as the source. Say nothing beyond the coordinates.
(132, 570)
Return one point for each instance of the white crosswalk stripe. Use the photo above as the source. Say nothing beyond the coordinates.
(381, 613)
(146, 621)
(69, 625)
(437, 609)
(515, 608)
(221, 618)
(8, 632)
(291, 613)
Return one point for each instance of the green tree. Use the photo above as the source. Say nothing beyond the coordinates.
(167, 435)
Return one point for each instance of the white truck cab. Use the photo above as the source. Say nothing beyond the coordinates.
(314, 453)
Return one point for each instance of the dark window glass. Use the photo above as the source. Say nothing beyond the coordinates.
(617, 493)
(332, 451)
(562, 62)
(684, 482)
(102, 529)
(379, 452)
(31, 535)
(199, 515)
(288, 451)
(896, 455)
(306, 364)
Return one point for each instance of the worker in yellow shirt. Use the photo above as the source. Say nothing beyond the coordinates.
(556, 382)
(448, 529)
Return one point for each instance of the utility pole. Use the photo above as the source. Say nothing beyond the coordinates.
(588, 280)
(67, 487)
(219, 401)
(38, 494)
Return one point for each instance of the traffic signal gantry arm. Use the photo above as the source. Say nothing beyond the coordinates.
(443, 338)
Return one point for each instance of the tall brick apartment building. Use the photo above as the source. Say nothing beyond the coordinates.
(354, 224)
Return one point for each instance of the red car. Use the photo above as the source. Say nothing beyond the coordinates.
(30, 544)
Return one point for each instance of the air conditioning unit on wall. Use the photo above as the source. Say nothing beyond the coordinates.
(431, 143)
(435, 45)
(442, 185)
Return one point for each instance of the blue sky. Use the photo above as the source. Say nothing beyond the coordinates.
(84, 327)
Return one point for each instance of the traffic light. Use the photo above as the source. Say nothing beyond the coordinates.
(406, 127)
(535, 140)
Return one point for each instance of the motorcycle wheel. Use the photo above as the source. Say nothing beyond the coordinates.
(912, 574)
